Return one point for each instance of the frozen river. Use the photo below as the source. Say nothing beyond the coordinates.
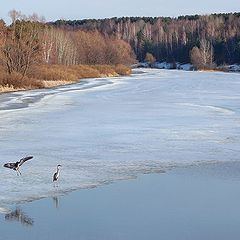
(102, 130)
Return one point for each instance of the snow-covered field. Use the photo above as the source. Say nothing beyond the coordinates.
(102, 130)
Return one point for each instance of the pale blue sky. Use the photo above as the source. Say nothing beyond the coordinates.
(79, 9)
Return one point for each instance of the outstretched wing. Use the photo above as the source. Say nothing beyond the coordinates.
(23, 160)
(9, 165)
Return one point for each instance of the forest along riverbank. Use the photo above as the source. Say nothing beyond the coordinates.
(45, 56)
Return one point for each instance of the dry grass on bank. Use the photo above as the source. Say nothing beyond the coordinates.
(45, 76)
(14, 82)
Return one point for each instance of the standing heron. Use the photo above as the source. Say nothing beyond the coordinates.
(15, 166)
(56, 174)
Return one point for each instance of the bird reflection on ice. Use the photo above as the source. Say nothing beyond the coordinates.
(56, 201)
(19, 216)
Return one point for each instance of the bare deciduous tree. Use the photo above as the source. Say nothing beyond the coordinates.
(22, 47)
(149, 58)
(202, 57)
(195, 56)
(206, 50)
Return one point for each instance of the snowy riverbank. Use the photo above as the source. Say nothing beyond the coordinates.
(185, 66)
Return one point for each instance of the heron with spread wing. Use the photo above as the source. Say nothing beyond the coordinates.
(15, 166)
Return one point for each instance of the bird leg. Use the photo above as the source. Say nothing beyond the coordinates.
(19, 173)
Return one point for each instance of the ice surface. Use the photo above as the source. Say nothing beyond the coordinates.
(102, 130)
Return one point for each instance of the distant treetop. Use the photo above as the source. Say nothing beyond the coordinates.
(151, 20)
